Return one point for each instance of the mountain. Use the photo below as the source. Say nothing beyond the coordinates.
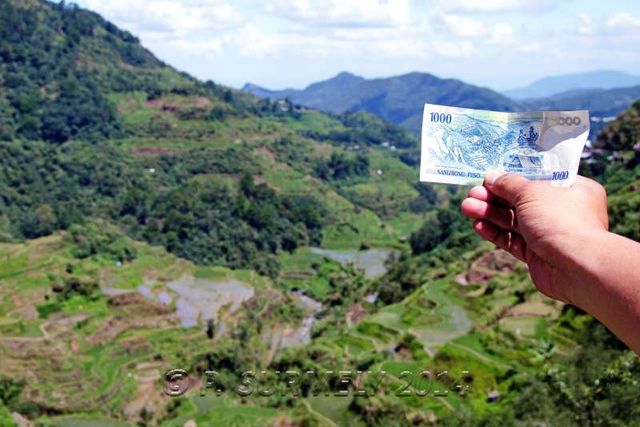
(154, 226)
(85, 110)
(59, 66)
(603, 104)
(334, 95)
(399, 99)
(553, 85)
(600, 102)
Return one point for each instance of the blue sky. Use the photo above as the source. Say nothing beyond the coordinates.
(291, 43)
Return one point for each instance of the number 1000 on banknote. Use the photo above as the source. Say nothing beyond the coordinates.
(460, 145)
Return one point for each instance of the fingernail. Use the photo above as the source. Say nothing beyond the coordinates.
(491, 176)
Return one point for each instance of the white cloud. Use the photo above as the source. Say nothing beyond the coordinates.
(618, 24)
(490, 37)
(472, 28)
(492, 6)
(197, 47)
(341, 13)
(623, 21)
(501, 34)
(170, 18)
(461, 49)
(464, 26)
(252, 41)
(585, 26)
(533, 47)
(191, 28)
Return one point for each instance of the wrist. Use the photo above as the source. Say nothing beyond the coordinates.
(607, 286)
(585, 259)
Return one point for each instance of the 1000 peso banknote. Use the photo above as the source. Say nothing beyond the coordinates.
(460, 145)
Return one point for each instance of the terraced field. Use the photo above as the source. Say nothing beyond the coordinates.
(110, 351)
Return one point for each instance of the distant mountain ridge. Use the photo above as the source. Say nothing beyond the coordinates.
(603, 104)
(399, 99)
(553, 85)
(600, 102)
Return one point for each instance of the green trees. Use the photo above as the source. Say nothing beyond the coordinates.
(80, 111)
(368, 129)
(44, 188)
(596, 386)
(61, 163)
(214, 223)
(40, 221)
(10, 390)
(623, 133)
(49, 94)
(98, 237)
(427, 199)
(436, 230)
(624, 209)
(342, 167)
(71, 286)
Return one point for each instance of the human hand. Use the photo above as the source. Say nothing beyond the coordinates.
(547, 227)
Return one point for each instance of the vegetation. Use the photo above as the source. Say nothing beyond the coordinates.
(340, 167)
(100, 238)
(622, 134)
(213, 224)
(178, 225)
(49, 183)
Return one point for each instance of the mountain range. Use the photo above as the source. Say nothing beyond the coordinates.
(160, 231)
(400, 99)
(552, 85)
(397, 99)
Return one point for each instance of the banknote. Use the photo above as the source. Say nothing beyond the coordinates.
(460, 145)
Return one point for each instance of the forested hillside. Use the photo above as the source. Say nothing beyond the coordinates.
(94, 125)
(150, 221)
(620, 142)
(624, 133)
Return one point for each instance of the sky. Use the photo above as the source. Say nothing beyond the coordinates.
(291, 43)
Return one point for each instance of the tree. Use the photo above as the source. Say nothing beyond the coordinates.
(210, 328)
(434, 231)
(97, 237)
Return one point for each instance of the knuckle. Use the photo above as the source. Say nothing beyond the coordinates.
(526, 192)
(597, 187)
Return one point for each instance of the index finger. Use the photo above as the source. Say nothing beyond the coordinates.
(481, 193)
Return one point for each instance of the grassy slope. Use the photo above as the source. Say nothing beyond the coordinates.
(352, 224)
(58, 349)
(499, 342)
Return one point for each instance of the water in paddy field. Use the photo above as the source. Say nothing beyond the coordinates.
(204, 298)
(371, 261)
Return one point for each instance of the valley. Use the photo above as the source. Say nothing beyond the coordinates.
(150, 221)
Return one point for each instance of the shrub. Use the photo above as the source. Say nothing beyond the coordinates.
(99, 238)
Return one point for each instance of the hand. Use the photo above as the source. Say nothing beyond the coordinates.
(547, 227)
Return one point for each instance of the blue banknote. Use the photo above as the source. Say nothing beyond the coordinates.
(460, 145)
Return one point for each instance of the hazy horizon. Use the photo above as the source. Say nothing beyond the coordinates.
(439, 76)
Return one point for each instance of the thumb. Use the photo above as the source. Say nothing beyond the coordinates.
(505, 186)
